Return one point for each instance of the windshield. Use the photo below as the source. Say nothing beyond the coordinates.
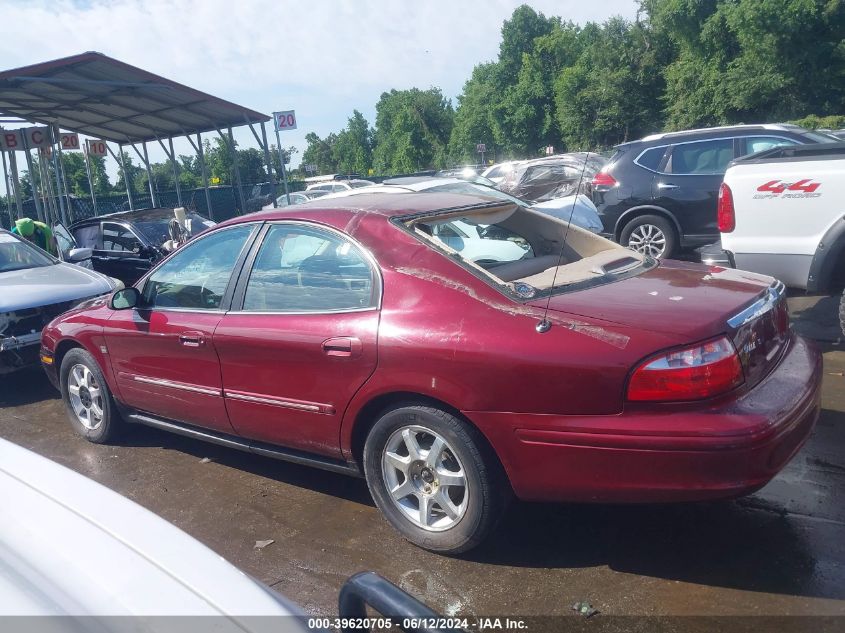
(155, 229)
(17, 254)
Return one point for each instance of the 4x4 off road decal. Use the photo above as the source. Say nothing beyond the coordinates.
(805, 188)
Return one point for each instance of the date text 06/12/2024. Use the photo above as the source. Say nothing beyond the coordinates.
(408, 624)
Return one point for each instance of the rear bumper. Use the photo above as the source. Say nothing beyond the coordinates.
(715, 255)
(749, 441)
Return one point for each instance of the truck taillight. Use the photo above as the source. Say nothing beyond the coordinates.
(700, 371)
(602, 179)
(725, 214)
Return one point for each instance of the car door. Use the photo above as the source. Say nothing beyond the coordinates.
(121, 253)
(65, 242)
(301, 337)
(688, 185)
(162, 352)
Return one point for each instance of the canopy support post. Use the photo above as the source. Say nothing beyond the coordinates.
(7, 188)
(230, 144)
(90, 182)
(35, 199)
(122, 162)
(57, 174)
(13, 163)
(175, 172)
(282, 163)
(201, 157)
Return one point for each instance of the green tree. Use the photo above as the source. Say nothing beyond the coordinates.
(612, 92)
(133, 172)
(751, 60)
(518, 35)
(320, 153)
(353, 148)
(412, 130)
(474, 115)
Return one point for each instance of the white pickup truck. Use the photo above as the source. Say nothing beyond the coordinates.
(781, 212)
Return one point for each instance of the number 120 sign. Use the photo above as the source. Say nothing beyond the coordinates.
(285, 120)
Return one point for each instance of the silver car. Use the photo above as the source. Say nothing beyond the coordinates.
(35, 287)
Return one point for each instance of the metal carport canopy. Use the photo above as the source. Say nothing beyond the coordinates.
(102, 97)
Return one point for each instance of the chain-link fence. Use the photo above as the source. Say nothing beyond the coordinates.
(225, 202)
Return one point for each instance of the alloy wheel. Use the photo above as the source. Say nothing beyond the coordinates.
(648, 239)
(86, 397)
(424, 478)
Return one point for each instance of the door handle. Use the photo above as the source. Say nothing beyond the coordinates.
(191, 339)
(666, 185)
(346, 346)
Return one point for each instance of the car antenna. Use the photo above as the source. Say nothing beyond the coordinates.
(544, 325)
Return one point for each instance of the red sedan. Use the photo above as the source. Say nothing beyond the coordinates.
(361, 335)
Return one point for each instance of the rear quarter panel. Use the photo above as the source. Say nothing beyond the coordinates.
(447, 335)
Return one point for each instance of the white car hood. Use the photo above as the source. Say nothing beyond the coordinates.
(69, 546)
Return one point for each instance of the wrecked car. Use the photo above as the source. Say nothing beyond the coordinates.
(345, 334)
(35, 287)
(545, 179)
(126, 244)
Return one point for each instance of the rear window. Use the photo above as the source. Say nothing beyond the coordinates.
(519, 250)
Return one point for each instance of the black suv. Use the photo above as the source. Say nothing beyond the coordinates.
(658, 195)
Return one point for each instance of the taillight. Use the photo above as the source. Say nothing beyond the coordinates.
(602, 179)
(700, 371)
(725, 213)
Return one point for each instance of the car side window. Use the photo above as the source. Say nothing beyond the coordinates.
(702, 157)
(308, 269)
(196, 277)
(754, 144)
(88, 236)
(117, 237)
(651, 158)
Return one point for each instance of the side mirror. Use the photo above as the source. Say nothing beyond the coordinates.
(77, 255)
(125, 299)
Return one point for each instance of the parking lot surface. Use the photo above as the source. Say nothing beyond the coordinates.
(780, 551)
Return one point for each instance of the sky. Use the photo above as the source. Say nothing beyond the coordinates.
(321, 58)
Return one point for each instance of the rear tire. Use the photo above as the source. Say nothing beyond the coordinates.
(651, 235)
(88, 400)
(408, 482)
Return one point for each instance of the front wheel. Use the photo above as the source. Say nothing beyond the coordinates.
(431, 475)
(87, 398)
(651, 235)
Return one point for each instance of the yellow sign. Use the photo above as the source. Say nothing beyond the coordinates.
(370, 172)
(214, 180)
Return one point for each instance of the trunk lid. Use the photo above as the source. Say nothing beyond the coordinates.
(695, 302)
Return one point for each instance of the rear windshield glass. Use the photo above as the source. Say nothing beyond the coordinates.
(519, 249)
